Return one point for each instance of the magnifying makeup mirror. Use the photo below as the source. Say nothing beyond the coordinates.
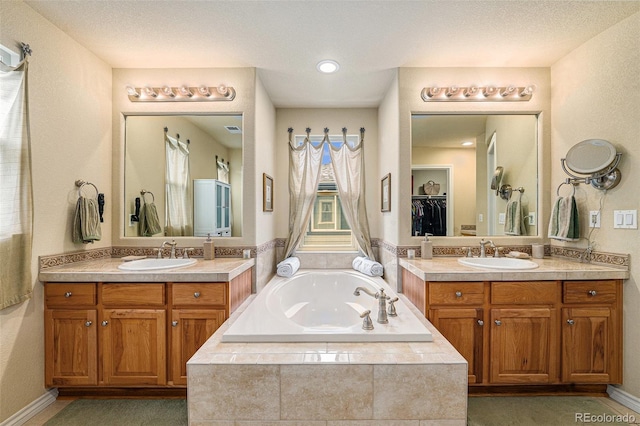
(497, 178)
(596, 158)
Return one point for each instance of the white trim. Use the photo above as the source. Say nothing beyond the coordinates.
(630, 401)
(31, 410)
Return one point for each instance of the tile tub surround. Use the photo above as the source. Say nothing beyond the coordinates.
(448, 269)
(416, 383)
(106, 270)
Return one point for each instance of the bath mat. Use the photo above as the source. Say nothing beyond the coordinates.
(541, 411)
(120, 412)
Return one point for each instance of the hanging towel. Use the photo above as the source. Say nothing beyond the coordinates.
(86, 221)
(514, 223)
(367, 266)
(564, 223)
(288, 267)
(149, 223)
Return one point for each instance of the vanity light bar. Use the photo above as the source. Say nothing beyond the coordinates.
(477, 94)
(181, 94)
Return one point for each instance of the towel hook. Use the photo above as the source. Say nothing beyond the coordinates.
(81, 183)
(573, 185)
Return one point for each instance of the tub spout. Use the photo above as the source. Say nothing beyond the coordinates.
(366, 290)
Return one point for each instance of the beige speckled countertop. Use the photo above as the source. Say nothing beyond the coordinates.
(550, 268)
(106, 270)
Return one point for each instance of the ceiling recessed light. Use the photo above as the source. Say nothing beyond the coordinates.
(328, 66)
(467, 143)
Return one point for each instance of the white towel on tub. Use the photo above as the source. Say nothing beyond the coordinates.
(367, 266)
(288, 267)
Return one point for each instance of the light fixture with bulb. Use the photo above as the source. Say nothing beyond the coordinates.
(467, 143)
(477, 93)
(328, 66)
(183, 93)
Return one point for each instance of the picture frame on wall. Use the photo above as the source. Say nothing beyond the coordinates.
(267, 193)
(385, 193)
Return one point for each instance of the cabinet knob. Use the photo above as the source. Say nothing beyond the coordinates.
(458, 294)
(498, 322)
(480, 322)
(67, 294)
(592, 292)
(570, 322)
(105, 323)
(88, 323)
(196, 294)
(174, 323)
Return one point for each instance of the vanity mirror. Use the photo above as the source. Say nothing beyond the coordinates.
(477, 155)
(214, 145)
(597, 159)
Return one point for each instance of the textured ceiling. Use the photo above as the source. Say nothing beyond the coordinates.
(370, 39)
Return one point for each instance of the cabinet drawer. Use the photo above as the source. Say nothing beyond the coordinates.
(70, 294)
(137, 295)
(589, 292)
(524, 293)
(456, 293)
(198, 294)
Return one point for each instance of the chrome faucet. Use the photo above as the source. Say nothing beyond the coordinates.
(382, 304)
(483, 250)
(173, 249)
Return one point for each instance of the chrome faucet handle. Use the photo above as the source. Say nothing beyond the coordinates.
(158, 253)
(185, 252)
(468, 250)
(498, 252)
(367, 324)
(392, 308)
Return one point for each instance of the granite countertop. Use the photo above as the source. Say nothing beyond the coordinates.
(550, 268)
(106, 270)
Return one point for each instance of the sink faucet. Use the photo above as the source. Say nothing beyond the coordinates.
(173, 249)
(382, 305)
(483, 243)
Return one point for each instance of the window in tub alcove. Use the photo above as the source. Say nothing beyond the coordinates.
(328, 229)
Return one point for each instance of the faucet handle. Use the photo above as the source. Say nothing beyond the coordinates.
(468, 250)
(392, 308)
(158, 253)
(367, 324)
(185, 252)
(498, 252)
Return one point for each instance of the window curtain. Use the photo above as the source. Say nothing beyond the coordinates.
(16, 199)
(348, 170)
(304, 175)
(223, 171)
(178, 220)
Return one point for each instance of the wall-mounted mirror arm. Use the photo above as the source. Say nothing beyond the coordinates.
(606, 178)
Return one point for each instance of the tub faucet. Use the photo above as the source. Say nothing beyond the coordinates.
(173, 249)
(382, 304)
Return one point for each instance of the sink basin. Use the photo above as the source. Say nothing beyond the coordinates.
(498, 262)
(151, 264)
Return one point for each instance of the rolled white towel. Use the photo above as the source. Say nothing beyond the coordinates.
(368, 267)
(288, 267)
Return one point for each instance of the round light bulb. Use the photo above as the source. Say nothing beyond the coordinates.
(328, 66)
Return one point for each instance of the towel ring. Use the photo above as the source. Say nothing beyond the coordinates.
(81, 183)
(567, 183)
(145, 192)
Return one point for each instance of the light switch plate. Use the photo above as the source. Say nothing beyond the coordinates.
(531, 219)
(625, 219)
(502, 218)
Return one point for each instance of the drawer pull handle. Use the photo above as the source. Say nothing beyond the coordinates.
(458, 294)
(570, 322)
(196, 294)
(480, 322)
(105, 323)
(592, 292)
(67, 294)
(174, 323)
(88, 323)
(498, 322)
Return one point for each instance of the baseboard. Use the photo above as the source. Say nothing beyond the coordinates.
(624, 398)
(22, 416)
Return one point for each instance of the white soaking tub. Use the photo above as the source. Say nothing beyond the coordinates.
(320, 306)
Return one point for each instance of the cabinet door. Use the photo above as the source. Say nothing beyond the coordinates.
(523, 346)
(134, 346)
(463, 328)
(190, 328)
(588, 346)
(71, 347)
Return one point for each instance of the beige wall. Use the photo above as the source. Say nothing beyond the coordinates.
(595, 95)
(69, 102)
(411, 83)
(335, 119)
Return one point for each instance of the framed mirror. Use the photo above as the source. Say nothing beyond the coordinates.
(207, 176)
(483, 152)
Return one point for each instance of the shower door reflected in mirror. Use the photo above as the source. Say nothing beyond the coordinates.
(476, 209)
(210, 136)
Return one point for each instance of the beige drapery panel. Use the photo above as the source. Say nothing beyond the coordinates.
(16, 198)
(178, 199)
(304, 176)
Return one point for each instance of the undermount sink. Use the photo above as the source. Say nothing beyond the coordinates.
(151, 264)
(498, 262)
